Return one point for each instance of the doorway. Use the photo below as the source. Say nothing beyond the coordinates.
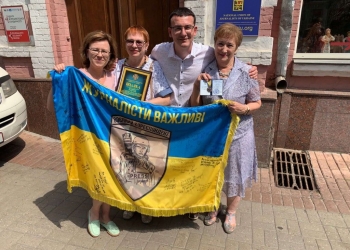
(115, 17)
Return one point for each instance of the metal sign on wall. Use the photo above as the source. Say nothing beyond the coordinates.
(15, 24)
(243, 13)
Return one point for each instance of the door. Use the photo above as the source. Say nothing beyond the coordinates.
(114, 17)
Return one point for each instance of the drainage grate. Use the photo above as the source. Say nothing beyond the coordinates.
(292, 169)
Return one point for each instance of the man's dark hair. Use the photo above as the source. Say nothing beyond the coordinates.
(182, 11)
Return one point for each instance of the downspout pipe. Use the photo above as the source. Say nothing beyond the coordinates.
(285, 31)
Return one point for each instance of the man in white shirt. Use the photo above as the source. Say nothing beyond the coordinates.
(183, 60)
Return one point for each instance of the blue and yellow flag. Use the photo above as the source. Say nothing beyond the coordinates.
(160, 161)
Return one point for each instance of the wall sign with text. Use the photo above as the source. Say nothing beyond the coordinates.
(15, 24)
(243, 13)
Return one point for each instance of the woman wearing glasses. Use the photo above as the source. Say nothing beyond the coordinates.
(98, 53)
(137, 42)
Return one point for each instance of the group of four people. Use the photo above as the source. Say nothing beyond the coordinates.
(177, 68)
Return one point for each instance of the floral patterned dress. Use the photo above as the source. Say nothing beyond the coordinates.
(241, 169)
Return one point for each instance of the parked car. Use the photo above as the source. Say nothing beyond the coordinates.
(13, 110)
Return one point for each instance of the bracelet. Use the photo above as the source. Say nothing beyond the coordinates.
(247, 110)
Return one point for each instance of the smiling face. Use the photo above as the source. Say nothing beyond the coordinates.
(225, 49)
(182, 31)
(136, 46)
(98, 54)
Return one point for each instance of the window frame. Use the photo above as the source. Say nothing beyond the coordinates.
(318, 64)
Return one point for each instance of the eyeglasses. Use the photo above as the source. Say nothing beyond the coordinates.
(95, 52)
(131, 42)
(178, 29)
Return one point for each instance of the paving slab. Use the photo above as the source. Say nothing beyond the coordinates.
(37, 212)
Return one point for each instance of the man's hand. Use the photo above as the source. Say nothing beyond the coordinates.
(253, 72)
(114, 65)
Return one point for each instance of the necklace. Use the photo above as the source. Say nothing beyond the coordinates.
(225, 75)
(140, 66)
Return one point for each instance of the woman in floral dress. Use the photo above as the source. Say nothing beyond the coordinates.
(244, 94)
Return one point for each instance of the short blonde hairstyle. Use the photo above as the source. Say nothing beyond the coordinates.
(229, 31)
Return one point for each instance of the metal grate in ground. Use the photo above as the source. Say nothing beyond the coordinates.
(292, 169)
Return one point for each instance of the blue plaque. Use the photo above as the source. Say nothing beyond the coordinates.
(243, 13)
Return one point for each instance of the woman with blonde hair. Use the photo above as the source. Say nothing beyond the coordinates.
(244, 98)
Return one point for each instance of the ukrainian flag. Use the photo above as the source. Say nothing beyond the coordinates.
(159, 161)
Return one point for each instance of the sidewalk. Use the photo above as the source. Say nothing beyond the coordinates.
(37, 212)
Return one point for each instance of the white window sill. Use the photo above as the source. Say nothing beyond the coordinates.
(320, 64)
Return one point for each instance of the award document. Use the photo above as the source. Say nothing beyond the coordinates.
(211, 87)
(133, 82)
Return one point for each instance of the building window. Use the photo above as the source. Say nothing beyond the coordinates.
(324, 28)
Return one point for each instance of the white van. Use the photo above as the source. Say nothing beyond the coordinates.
(13, 110)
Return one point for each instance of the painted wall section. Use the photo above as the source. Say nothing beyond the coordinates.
(254, 50)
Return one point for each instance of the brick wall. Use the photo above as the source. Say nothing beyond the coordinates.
(265, 30)
(266, 17)
(59, 30)
(270, 74)
(295, 26)
(20, 67)
(198, 8)
(2, 26)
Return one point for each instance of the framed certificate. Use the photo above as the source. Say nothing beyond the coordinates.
(134, 82)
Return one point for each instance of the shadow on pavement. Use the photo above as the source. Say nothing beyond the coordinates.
(62, 207)
(11, 150)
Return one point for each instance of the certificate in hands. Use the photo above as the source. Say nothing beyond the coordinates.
(211, 87)
(134, 82)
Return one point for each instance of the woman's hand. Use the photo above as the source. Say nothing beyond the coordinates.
(59, 67)
(244, 109)
(114, 65)
(237, 108)
(195, 99)
(203, 76)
